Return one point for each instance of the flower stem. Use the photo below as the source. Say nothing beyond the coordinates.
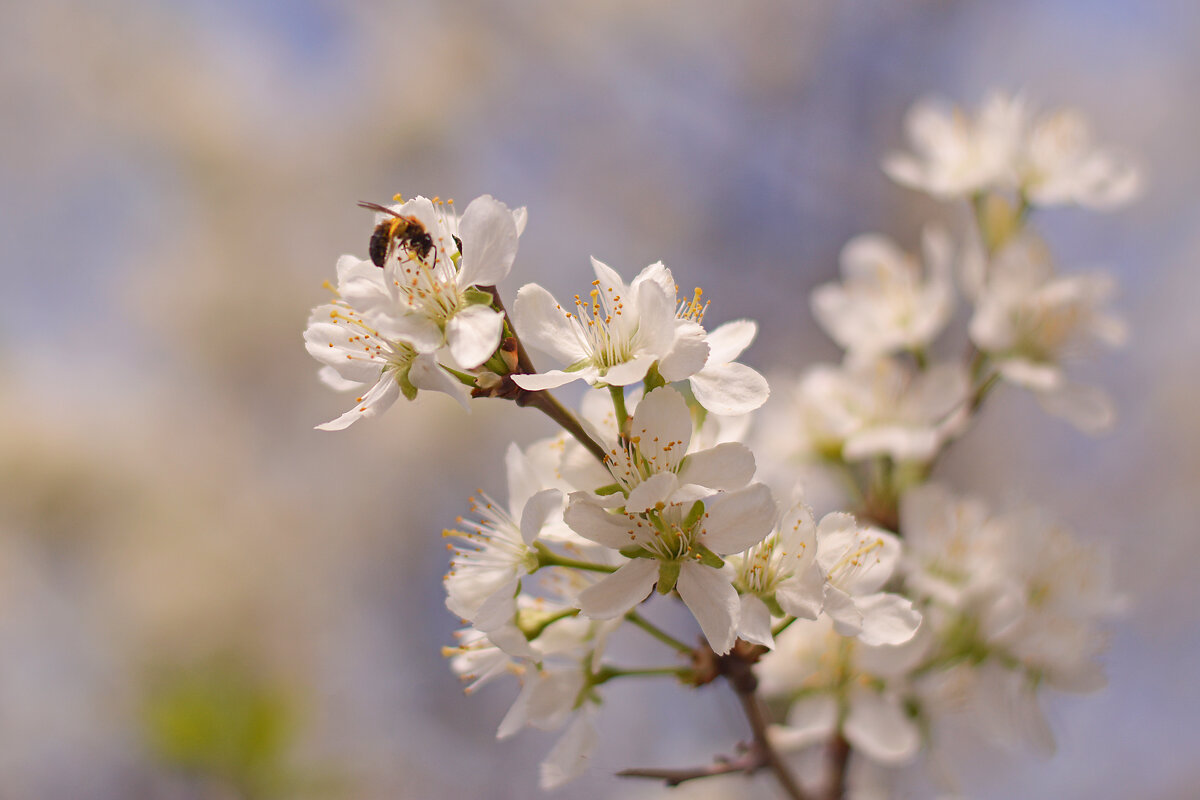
(606, 673)
(548, 558)
(534, 631)
(618, 398)
(839, 758)
(783, 626)
(656, 632)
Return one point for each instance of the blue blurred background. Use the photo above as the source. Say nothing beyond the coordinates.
(184, 561)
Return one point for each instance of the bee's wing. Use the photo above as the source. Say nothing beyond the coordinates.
(377, 207)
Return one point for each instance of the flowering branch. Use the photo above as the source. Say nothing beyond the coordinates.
(818, 619)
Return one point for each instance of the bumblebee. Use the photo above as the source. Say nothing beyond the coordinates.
(400, 231)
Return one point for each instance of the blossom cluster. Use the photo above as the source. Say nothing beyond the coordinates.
(865, 626)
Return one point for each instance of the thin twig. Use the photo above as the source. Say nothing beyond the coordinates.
(737, 669)
(839, 757)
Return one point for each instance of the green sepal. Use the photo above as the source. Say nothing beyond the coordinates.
(708, 558)
(406, 386)
(635, 552)
(693, 516)
(653, 379)
(477, 297)
(773, 606)
(668, 573)
(605, 491)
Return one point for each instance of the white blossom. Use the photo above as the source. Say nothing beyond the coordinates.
(677, 546)
(956, 154)
(431, 297)
(394, 330)
(725, 386)
(779, 570)
(1030, 321)
(841, 685)
(359, 355)
(656, 459)
(1060, 164)
(1016, 604)
(855, 562)
(486, 570)
(1047, 160)
(883, 407)
(614, 335)
(885, 304)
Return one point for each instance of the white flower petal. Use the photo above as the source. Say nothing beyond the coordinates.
(417, 329)
(730, 389)
(474, 334)
(498, 609)
(840, 607)
(733, 521)
(489, 239)
(810, 720)
(340, 347)
(377, 400)
(754, 621)
(726, 342)
(628, 372)
(551, 379)
(879, 727)
(727, 466)
(887, 619)
(802, 594)
(610, 282)
(615, 594)
(687, 356)
(570, 756)
(543, 324)
(713, 601)
(330, 377)
(542, 508)
(523, 480)
(425, 373)
(655, 489)
(654, 320)
(662, 428)
(594, 523)
(518, 713)
(1088, 408)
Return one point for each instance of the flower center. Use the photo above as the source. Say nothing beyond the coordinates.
(599, 326)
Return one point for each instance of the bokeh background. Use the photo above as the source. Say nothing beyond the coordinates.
(202, 597)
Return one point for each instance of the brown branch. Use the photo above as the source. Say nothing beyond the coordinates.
(541, 400)
(737, 668)
(748, 762)
(839, 757)
(524, 363)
